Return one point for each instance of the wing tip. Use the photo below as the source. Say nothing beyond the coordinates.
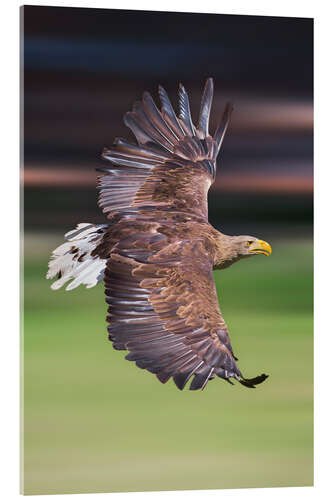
(253, 382)
(209, 82)
(205, 107)
(222, 127)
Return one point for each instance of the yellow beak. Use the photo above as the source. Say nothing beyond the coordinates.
(260, 246)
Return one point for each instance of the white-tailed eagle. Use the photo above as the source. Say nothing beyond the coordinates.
(157, 251)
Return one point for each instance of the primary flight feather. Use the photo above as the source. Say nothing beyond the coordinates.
(158, 251)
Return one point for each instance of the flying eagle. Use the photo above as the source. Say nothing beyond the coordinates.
(158, 251)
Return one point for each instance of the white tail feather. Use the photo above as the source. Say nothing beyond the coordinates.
(73, 260)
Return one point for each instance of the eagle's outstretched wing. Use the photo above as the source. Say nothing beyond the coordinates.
(163, 308)
(174, 163)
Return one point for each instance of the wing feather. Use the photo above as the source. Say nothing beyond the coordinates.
(169, 114)
(222, 128)
(184, 110)
(206, 104)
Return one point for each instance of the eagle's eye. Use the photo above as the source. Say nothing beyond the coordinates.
(248, 243)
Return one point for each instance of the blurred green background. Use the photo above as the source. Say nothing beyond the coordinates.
(94, 422)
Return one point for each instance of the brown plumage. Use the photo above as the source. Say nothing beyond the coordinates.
(158, 252)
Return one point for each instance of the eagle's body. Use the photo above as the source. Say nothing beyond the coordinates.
(158, 251)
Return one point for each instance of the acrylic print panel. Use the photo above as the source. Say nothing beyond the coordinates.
(94, 422)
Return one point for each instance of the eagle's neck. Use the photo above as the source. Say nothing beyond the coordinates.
(226, 252)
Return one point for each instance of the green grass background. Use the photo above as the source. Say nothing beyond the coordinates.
(94, 422)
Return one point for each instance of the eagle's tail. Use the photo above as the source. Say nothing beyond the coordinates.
(73, 260)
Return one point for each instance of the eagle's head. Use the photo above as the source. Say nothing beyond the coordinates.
(249, 245)
(233, 248)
